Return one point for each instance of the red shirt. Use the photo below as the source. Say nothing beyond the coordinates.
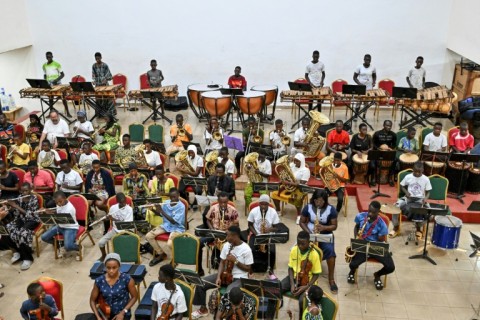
(42, 179)
(338, 138)
(460, 142)
(237, 82)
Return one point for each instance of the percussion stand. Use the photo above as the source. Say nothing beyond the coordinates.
(379, 156)
(154, 97)
(463, 158)
(354, 90)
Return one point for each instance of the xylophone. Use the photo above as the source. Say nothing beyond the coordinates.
(324, 93)
(105, 91)
(168, 92)
(435, 99)
(56, 91)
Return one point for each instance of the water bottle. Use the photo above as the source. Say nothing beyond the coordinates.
(12, 103)
(4, 100)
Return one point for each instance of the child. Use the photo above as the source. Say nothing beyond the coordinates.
(37, 300)
(461, 141)
(314, 309)
(409, 144)
(166, 291)
(416, 76)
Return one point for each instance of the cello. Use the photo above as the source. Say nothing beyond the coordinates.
(226, 277)
(167, 309)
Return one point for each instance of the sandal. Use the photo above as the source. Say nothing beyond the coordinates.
(351, 278)
(333, 287)
(394, 234)
(378, 283)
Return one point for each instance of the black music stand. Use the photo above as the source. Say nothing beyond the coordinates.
(463, 158)
(66, 143)
(476, 244)
(266, 289)
(44, 84)
(232, 91)
(90, 196)
(135, 225)
(265, 186)
(189, 276)
(437, 210)
(87, 87)
(355, 90)
(115, 168)
(298, 86)
(306, 87)
(56, 219)
(142, 201)
(432, 156)
(307, 189)
(194, 182)
(214, 234)
(380, 156)
(205, 201)
(268, 239)
(199, 148)
(404, 93)
(153, 97)
(262, 148)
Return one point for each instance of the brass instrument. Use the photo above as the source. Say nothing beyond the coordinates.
(211, 161)
(327, 174)
(216, 135)
(182, 163)
(13, 148)
(349, 253)
(250, 165)
(48, 160)
(141, 160)
(257, 138)
(286, 140)
(85, 166)
(181, 132)
(314, 142)
(285, 174)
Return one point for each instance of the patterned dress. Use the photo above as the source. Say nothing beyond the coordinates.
(17, 228)
(116, 296)
(110, 142)
(249, 304)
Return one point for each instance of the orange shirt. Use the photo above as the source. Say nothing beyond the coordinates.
(342, 171)
(178, 140)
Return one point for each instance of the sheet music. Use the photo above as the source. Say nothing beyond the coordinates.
(206, 201)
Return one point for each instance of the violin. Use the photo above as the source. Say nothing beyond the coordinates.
(39, 313)
(227, 277)
(103, 308)
(305, 268)
(167, 309)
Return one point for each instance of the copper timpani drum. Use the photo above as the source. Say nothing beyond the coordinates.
(473, 182)
(194, 92)
(270, 91)
(216, 104)
(407, 160)
(454, 174)
(251, 102)
(360, 168)
(433, 167)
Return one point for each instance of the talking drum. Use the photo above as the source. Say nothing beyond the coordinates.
(454, 175)
(216, 104)
(446, 232)
(384, 171)
(407, 160)
(360, 168)
(473, 181)
(433, 167)
(251, 102)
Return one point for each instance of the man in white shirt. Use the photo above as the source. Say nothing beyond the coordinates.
(365, 74)
(224, 159)
(48, 157)
(299, 137)
(196, 162)
(210, 142)
(315, 74)
(120, 211)
(82, 128)
(69, 181)
(166, 291)
(435, 141)
(279, 149)
(54, 127)
(416, 76)
(152, 157)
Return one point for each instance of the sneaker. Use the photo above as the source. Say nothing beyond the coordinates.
(197, 314)
(26, 265)
(79, 255)
(61, 252)
(298, 220)
(15, 257)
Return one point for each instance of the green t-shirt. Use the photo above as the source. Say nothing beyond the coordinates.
(52, 70)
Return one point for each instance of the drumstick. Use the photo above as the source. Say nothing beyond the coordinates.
(453, 224)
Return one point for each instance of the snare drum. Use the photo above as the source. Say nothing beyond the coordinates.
(454, 175)
(271, 93)
(433, 167)
(216, 104)
(473, 181)
(407, 160)
(251, 102)
(360, 168)
(446, 232)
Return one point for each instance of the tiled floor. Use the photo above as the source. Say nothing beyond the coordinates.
(416, 290)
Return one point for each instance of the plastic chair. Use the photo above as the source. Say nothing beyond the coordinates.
(450, 134)
(423, 134)
(19, 129)
(255, 298)
(165, 236)
(439, 188)
(187, 247)
(52, 175)
(144, 81)
(337, 87)
(113, 200)
(176, 179)
(387, 85)
(329, 307)
(62, 154)
(3, 153)
(54, 288)
(75, 98)
(188, 293)
(20, 173)
(155, 133)
(121, 79)
(137, 132)
(127, 245)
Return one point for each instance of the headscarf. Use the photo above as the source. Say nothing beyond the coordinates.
(192, 148)
(300, 157)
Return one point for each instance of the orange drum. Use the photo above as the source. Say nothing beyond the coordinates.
(251, 102)
(194, 92)
(360, 168)
(407, 160)
(271, 93)
(216, 104)
(433, 167)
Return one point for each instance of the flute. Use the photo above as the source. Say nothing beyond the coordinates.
(45, 210)
(150, 205)
(13, 199)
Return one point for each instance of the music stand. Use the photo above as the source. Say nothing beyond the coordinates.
(463, 158)
(90, 196)
(115, 168)
(82, 87)
(307, 189)
(404, 93)
(66, 143)
(205, 201)
(189, 276)
(234, 143)
(232, 91)
(428, 212)
(475, 246)
(56, 219)
(265, 186)
(352, 91)
(262, 148)
(55, 170)
(267, 289)
(380, 156)
(199, 148)
(156, 114)
(433, 156)
(44, 84)
(211, 233)
(298, 86)
(194, 182)
(136, 225)
(39, 83)
(319, 237)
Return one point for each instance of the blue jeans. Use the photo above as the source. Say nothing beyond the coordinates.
(69, 236)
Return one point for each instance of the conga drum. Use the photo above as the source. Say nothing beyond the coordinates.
(360, 168)
(251, 102)
(433, 167)
(407, 160)
(194, 92)
(454, 175)
(215, 103)
(473, 181)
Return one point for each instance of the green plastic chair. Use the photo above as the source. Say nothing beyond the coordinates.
(439, 187)
(185, 249)
(188, 293)
(423, 134)
(400, 176)
(329, 307)
(137, 132)
(400, 134)
(127, 245)
(155, 133)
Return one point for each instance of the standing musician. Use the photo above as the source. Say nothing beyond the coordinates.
(340, 174)
(360, 144)
(152, 157)
(237, 80)
(86, 157)
(38, 300)
(125, 154)
(370, 226)
(6, 128)
(236, 305)
(248, 136)
(54, 127)
(154, 75)
(100, 183)
(304, 268)
(365, 75)
(276, 139)
(9, 183)
(53, 73)
(179, 132)
(173, 213)
(135, 184)
(220, 217)
(321, 217)
(384, 140)
(101, 75)
(168, 299)
(435, 141)
(416, 75)
(315, 74)
(120, 211)
(338, 139)
(236, 263)
(461, 141)
(260, 174)
(160, 186)
(41, 181)
(48, 157)
(82, 128)
(193, 169)
(213, 136)
(224, 159)
(69, 181)
(19, 152)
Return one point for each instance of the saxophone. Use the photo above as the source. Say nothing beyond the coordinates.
(140, 159)
(313, 141)
(182, 163)
(263, 229)
(327, 174)
(47, 160)
(316, 223)
(250, 166)
(349, 253)
(285, 174)
(211, 161)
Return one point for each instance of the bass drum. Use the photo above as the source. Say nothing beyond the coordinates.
(454, 176)
(446, 232)
(473, 181)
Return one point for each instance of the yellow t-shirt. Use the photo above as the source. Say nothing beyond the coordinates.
(150, 216)
(296, 258)
(24, 149)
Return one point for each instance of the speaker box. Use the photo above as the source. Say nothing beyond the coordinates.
(176, 105)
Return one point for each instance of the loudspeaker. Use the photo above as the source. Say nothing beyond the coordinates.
(176, 105)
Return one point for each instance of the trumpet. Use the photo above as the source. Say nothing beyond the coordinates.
(181, 132)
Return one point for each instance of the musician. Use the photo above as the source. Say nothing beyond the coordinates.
(315, 74)
(100, 71)
(235, 302)
(248, 135)
(20, 230)
(41, 180)
(196, 163)
(340, 173)
(365, 74)
(210, 142)
(120, 211)
(219, 217)
(35, 127)
(409, 144)
(176, 138)
(86, 157)
(235, 251)
(152, 157)
(370, 226)
(6, 128)
(416, 75)
(53, 73)
(100, 183)
(416, 186)
(160, 186)
(154, 75)
(82, 128)
(302, 251)
(435, 141)
(360, 144)
(321, 217)
(9, 183)
(117, 288)
(135, 184)
(338, 139)
(220, 182)
(20, 152)
(224, 159)
(48, 157)
(38, 299)
(125, 154)
(264, 169)
(166, 293)
(110, 133)
(54, 127)
(69, 231)
(237, 80)
(461, 141)
(69, 181)
(384, 140)
(276, 136)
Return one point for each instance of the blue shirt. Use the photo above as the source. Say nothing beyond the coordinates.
(116, 296)
(29, 305)
(326, 215)
(379, 230)
(177, 212)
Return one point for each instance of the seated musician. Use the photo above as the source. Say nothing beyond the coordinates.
(304, 268)
(48, 157)
(20, 230)
(213, 136)
(384, 140)
(35, 127)
(237, 80)
(340, 177)
(236, 305)
(314, 307)
(173, 213)
(177, 136)
(82, 128)
(262, 219)
(224, 159)
(276, 136)
(302, 175)
(435, 141)
(321, 217)
(416, 75)
(416, 186)
(69, 181)
(69, 231)
(86, 157)
(100, 183)
(248, 135)
(315, 75)
(6, 128)
(196, 167)
(125, 154)
(299, 143)
(263, 170)
(236, 263)
(370, 226)
(53, 73)
(166, 293)
(41, 181)
(53, 128)
(154, 75)
(135, 184)
(461, 141)
(117, 289)
(20, 152)
(9, 183)
(152, 157)
(360, 144)
(220, 217)
(338, 139)
(160, 186)
(409, 144)
(110, 133)
(38, 299)
(120, 211)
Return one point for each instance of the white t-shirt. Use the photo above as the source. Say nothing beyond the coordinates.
(244, 255)
(85, 126)
(299, 135)
(314, 71)
(124, 214)
(229, 166)
(416, 77)
(55, 130)
(72, 178)
(160, 294)
(153, 158)
(435, 143)
(87, 159)
(196, 162)
(277, 141)
(416, 186)
(265, 167)
(365, 75)
(214, 144)
(42, 154)
(70, 209)
(255, 216)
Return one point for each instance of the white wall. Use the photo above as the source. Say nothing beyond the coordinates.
(463, 35)
(14, 25)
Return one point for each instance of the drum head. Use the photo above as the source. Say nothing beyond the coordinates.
(213, 94)
(363, 159)
(251, 94)
(390, 209)
(453, 222)
(202, 87)
(408, 157)
(434, 164)
(264, 87)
